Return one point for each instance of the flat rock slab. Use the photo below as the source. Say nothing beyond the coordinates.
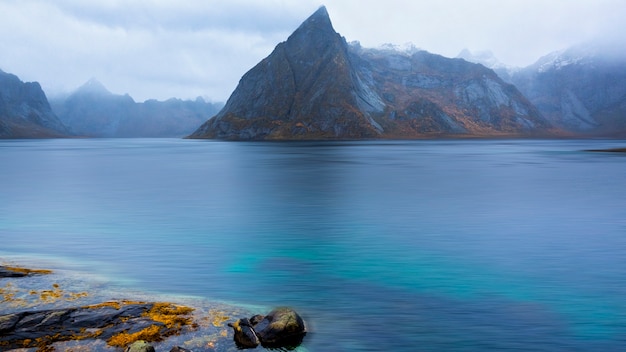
(119, 323)
(11, 271)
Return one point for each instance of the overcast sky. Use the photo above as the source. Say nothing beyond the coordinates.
(188, 48)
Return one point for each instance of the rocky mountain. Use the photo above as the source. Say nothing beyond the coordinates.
(316, 86)
(581, 89)
(25, 111)
(94, 111)
(489, 60)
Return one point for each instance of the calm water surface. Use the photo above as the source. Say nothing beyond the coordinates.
(382, 246)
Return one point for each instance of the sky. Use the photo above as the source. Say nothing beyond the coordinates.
(159, 49)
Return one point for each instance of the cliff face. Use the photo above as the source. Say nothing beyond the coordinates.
(94, 111)
(316, 86)
(427, 95)
(25, 111)
(305, 89)
(581, 89)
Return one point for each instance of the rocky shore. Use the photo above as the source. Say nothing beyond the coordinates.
(58, 319)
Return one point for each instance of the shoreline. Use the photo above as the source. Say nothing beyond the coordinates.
(165, 321)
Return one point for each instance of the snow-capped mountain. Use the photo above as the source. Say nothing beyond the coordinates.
(581, 89)
(489, 60)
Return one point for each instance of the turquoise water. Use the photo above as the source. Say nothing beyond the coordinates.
(382, 246)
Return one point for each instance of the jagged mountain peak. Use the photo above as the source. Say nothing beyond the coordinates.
(319, 20)
(313, 34)
(93, 87)
(484, 57)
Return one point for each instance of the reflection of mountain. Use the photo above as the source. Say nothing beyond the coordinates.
(316, 86)
(94, 111)
(25, 111)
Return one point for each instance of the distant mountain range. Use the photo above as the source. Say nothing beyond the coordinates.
(95, 112)
(25, 111)
(581, 90)
(317, 86)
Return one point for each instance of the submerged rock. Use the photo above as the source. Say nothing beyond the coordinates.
(179, 349)
(12, 271)
(281, 328)
(140, 346)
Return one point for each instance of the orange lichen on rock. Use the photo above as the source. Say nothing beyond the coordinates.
(173, 316)
(8, 294)
(116, 323)
(219, 317)
(150, 334)
(14, 296)
(170, 319)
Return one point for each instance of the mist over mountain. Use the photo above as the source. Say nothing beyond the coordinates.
(316, 86)
(25, 111)
(489, 60)
(94, 111)
(581, 89)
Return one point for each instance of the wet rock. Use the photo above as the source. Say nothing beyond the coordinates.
(281, 328)
(179, 349)
(245, 337)
(10, 271)
(120, 323)
(140, 346)
(256, 319)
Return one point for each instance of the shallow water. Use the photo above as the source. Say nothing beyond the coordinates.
(404, 245)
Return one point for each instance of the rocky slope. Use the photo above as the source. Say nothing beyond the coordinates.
(581, 89)
(316, 86)
(25, 111)
(94, 111)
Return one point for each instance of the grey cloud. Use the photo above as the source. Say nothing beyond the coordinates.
(245, 16)
(164, 48)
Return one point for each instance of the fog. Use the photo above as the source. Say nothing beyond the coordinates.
(162, 49)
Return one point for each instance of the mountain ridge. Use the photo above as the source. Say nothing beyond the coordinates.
(25, 111)
(93, 111)
(581, 89)
(316, 86)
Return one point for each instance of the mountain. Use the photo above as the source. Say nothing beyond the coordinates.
(316, 86)
(25, 111)
(489, 60)
(94, 111)
(581, 89)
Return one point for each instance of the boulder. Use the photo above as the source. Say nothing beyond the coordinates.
(245, 337)
(281, 328)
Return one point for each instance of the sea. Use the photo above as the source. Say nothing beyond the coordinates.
(426, 245)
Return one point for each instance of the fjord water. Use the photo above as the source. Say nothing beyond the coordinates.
(382, 246)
